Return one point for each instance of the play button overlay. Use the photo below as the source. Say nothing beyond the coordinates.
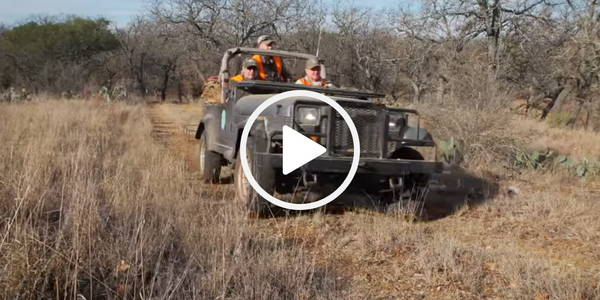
(298, 150)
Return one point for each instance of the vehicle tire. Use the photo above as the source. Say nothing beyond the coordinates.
(264, 175)
(209, 162)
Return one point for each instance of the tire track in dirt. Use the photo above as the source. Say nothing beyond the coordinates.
(174, 126)
(175, 132)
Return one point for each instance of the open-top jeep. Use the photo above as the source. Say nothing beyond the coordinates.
(390, 168)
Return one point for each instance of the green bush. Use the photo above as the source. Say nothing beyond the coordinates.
(532, 160)
(558, 119)
(584, 168)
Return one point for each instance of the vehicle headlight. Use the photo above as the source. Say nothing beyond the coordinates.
(309, 116)
(392, 121)
(396, 121)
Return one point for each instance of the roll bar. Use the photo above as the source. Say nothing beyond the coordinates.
(223, 74)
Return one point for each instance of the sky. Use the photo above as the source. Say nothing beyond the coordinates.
(119, 11)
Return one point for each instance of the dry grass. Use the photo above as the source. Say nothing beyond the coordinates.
(122, 196)
(535, 246)
(541, 244)
(83, 188)
(577, 143)
(485, 140)
(490, 141)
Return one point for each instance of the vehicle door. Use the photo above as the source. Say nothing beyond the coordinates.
(228, 128)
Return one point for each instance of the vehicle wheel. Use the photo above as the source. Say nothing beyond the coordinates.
(243, 189)
(264, 175)
(210, 162)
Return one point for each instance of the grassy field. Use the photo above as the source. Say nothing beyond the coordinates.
(101, 200)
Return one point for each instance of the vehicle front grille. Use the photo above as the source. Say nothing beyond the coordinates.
(367, 122)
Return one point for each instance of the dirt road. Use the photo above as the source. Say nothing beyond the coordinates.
(175, 125)
(543, 243)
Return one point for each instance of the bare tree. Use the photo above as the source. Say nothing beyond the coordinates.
(580, 22)
(367, 46)
(169, 49)
(135, 50)
(465, 20)
(202, 16)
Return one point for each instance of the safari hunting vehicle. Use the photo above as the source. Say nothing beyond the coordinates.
(390, 168)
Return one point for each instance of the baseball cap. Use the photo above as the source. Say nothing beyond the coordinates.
(265, 38)
(250, 62)
(312, 62)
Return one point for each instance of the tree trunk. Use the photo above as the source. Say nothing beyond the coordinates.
(493, 16)
(492, 59)
(139, 73)
(179, 91)
(440, 90)
(417, 90)
(560, 100)
(165, 83)
(587, 111)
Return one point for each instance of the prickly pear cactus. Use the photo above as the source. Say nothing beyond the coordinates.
(532, 160)
(448, 149)
(104, 93)
(564, 160)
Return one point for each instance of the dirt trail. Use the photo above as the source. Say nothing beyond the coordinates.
(385, 258)
(175, 126)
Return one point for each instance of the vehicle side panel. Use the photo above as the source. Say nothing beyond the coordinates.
(211, 123)
(228, 127)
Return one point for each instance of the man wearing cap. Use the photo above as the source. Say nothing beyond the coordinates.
(269, 67)
(249, 69)
(313, 74)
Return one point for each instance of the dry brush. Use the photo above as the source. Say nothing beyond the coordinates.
(91, 204)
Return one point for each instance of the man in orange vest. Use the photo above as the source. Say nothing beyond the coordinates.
(313, 74)
(270, 67)
(249, 71)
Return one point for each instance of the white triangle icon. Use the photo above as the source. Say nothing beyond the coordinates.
(298, 150)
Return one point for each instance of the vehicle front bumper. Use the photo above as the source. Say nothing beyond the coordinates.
(325, 164)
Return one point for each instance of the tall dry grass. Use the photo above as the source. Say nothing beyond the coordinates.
(485, 139)
(91, 204)
(541, 245)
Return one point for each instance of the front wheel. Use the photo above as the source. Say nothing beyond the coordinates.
(263, 174)
(209, 162)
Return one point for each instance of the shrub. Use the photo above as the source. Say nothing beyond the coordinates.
(479, 139)
(558, 119)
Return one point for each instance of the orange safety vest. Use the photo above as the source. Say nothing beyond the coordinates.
(261, 71)
(304, 80)
(237, 77)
